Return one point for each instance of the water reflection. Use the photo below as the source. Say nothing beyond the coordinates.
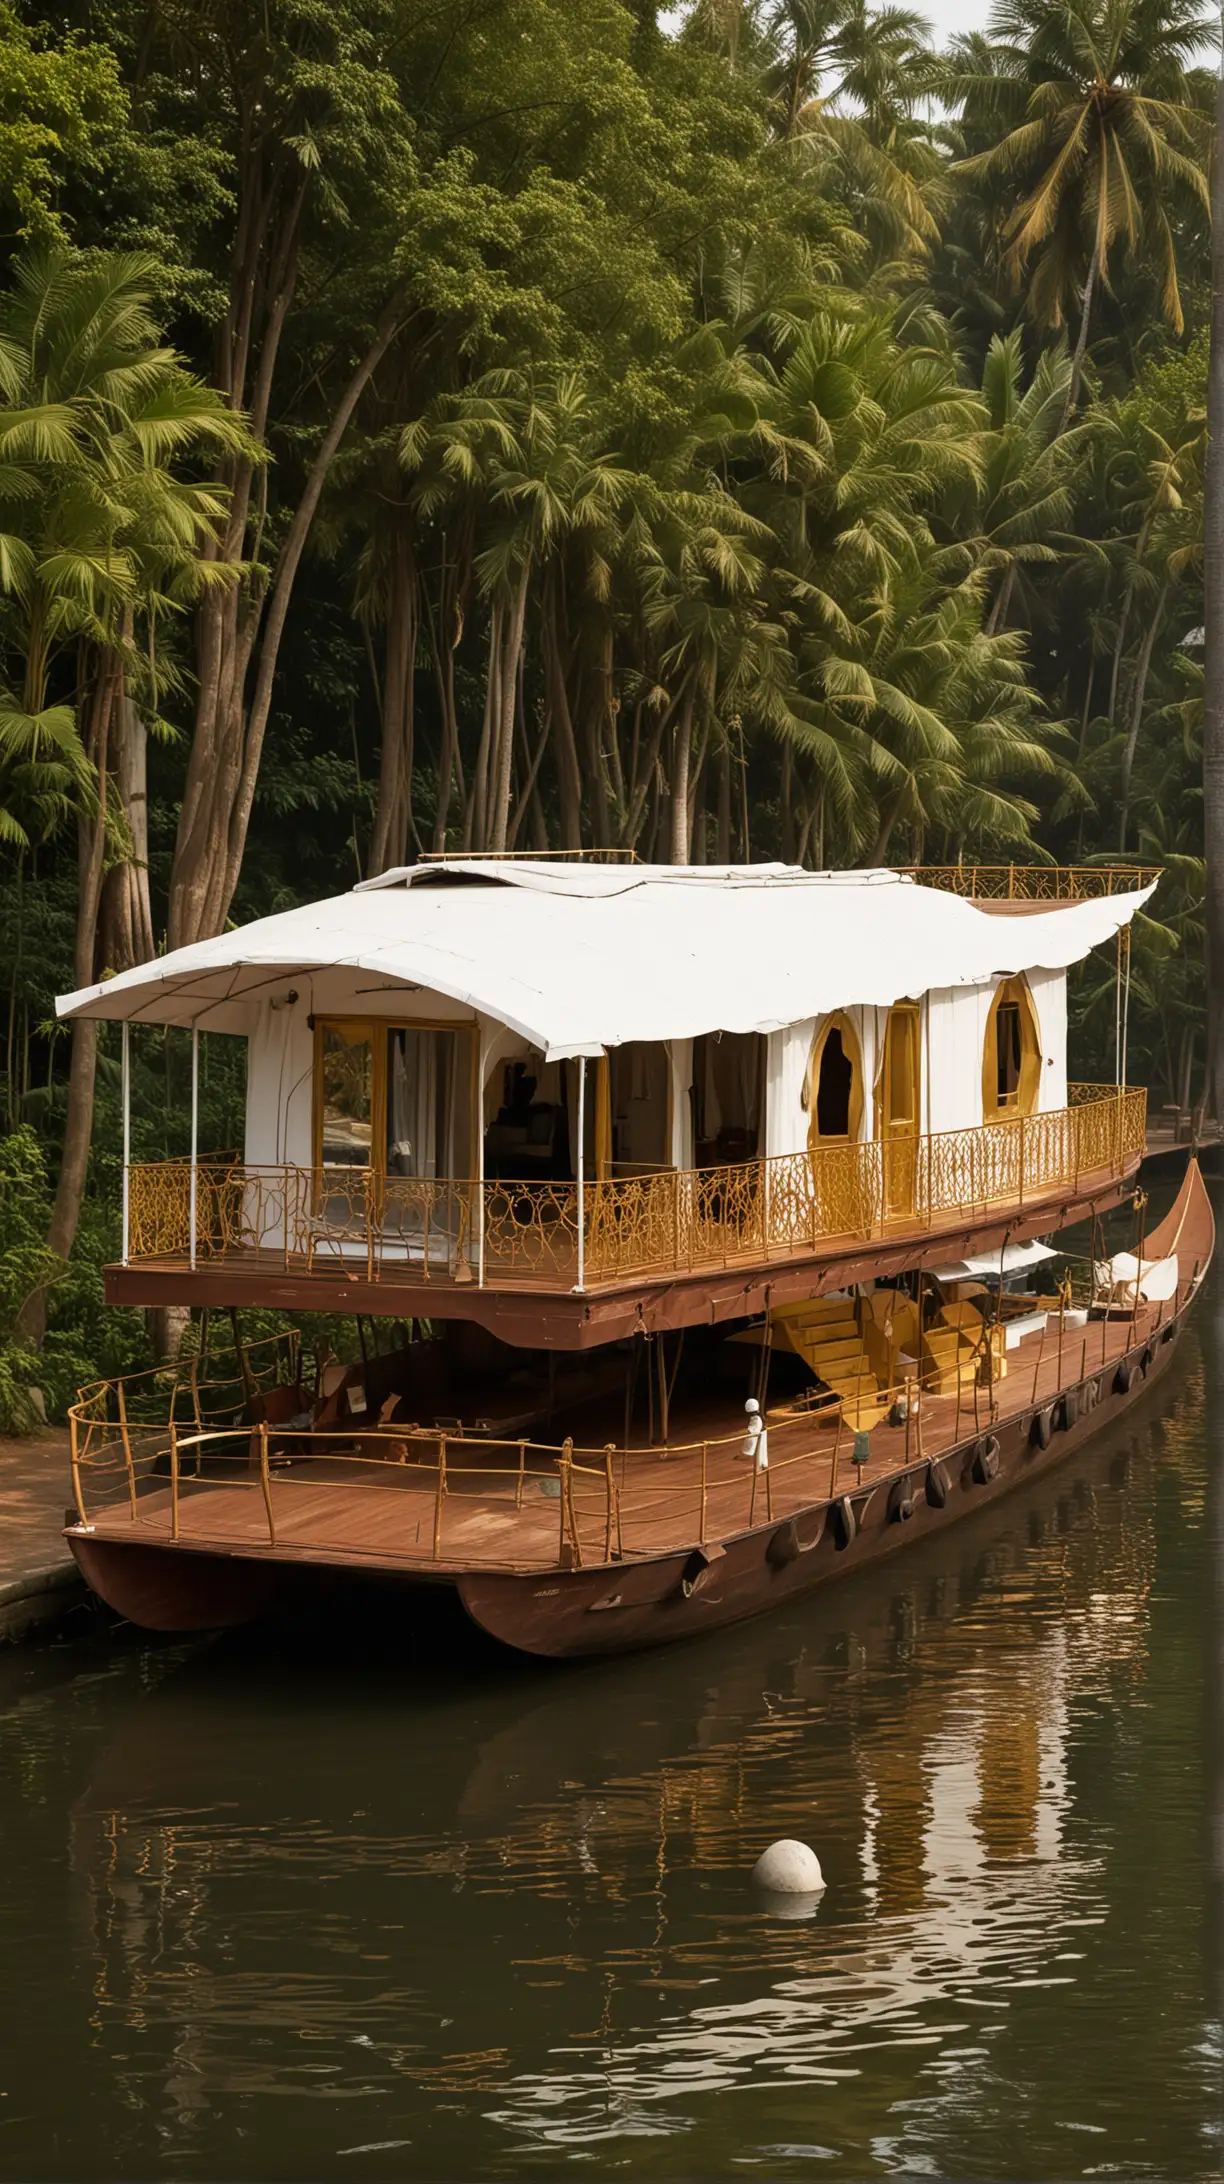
(395, 1902)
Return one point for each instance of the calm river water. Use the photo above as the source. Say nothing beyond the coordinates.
(368, 1907)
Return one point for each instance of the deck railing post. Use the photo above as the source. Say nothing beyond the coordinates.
(127, 1448)
(195, 1133)
(174, 1479)
(440, 1496)
(127, 1141)
(581, 1282)
(265, 1481)
(609, 1499)
(75, 1459)
(480, 1161)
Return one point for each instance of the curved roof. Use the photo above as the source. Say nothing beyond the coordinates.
(579, 957)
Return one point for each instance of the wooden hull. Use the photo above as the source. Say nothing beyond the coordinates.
(576, 1612)
(651, 1599)
(570, 1613)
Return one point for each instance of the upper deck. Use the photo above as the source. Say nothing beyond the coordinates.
(572, 1099)
(583, 1262)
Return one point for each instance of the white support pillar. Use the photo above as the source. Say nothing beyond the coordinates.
(195, 1131)
(127, 1140)
(480, 1166)
(581, 1172)
(1126, 985)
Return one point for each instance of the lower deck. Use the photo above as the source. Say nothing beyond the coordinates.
(436, 1504)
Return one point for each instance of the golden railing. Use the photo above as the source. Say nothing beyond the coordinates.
(1035, 883)
(346, 1221)
(565, 1506)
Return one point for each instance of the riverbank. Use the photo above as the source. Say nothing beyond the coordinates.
(39, 1581)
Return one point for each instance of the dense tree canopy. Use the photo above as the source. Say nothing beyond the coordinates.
(516, 425)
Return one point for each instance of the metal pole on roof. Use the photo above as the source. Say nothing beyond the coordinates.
(127, 1139)
(581, 1171)
(1125, 999)
(195, 1131)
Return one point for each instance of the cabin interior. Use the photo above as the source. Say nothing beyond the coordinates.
(439, 1094)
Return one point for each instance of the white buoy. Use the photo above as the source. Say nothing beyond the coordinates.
(788, 1869)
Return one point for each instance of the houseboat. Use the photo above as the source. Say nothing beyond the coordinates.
(699, 1225)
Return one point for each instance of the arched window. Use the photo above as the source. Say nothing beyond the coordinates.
(1011, 1058)
(834, 1092)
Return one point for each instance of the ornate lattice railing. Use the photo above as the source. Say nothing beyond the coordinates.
(668, 1221)
(1035, 883)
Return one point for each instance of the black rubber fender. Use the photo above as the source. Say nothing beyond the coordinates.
(1042, 1428)
(784, 1546)
(1145, 1362)
(986, 1460)
(937, 1486)
(1124, 1378)
(901, 1503)
(1167, 1333)
(845, 1523)
(697, 1569)
(1069, 1409)
(788, 1543)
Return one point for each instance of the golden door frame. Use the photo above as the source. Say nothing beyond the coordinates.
(370, 1026)
(1016, 992)
(899, 1135)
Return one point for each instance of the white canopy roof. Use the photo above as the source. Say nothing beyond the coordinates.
(579, 957)
(1013, 1259)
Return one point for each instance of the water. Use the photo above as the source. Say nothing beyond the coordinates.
(365, 1906)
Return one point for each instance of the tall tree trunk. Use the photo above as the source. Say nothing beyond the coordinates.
(393, 811)
(724, 798)
(1213, 612)
(1142, 667)
(106, 693)
(1081, 348)
(561, 722)
(447, 635)
(227, 742)
(787, 798)
(681, 749)
(997, 617)
(476, 830)
(126, 917)
(512, 648)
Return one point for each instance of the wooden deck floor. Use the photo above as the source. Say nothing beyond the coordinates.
(361, 1510)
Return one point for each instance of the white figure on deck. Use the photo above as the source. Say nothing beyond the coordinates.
(756, 1437)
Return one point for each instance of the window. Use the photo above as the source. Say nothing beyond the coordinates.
(834, 1091)
(1011, 1061)
(345, 1080)
(395, 1098)
(728, 1097)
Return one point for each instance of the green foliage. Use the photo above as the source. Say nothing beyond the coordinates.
(791, 444)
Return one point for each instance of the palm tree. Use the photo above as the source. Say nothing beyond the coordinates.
(847, 86)
(1102, 138)
(1025, 500)
(102, 541)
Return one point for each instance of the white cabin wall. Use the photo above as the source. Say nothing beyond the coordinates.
(953, 1040)
(787, 1053)
(1049, 991)
(280, 1090)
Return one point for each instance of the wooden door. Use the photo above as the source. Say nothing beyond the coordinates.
(901, 1107)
